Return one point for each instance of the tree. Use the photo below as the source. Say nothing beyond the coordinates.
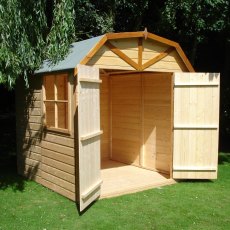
(190, 21)
(32, 32)
(93, 18)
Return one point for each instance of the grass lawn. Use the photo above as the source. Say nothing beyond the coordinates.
(186, 205)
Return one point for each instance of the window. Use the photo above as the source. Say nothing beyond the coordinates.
(55, 97)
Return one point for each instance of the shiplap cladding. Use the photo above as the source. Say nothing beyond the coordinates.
(58, 148)
(29, 128)
(58, 164)
(46, 157)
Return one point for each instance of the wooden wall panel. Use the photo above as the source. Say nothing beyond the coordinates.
(46, 157)
(58, 150)
(28, 123)
(157, 121)
(105, 116)
(126, 118)
(58, 162)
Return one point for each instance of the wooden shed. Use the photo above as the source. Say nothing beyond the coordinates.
(123, 112)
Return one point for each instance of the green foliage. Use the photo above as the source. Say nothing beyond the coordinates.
(62, 32)
(21, 41)
(26, 40)
(93, 17)
(129, 14)
(195, 18)
(189, 22)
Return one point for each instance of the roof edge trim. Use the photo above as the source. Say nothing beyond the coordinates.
(91, 53)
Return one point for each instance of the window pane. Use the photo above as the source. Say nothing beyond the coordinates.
(62, 115)
(62, 90)
(49, 87)
(50, 118)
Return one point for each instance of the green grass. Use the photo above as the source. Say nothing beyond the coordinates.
(186, 205)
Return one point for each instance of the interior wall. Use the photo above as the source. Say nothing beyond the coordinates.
(136, 119)
(157, 121)
(126, 118)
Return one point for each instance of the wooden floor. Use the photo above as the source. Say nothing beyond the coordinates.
(119, 179)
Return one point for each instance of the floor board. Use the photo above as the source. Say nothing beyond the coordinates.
(119, 179)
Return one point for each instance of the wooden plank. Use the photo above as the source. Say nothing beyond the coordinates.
(92, 52)
(194, 168)
(31, 155)
(91, 135)
(120, 179)
(163, 66)
(90, 80)
(58, 148)
(128, 46)
(120, 54)
(195, 175)
(58, 189)
(111, 36)
(94, 187)
(58, 181)
(140, 52)
(59, 139)
(191, 126)
(204, 78)
(58, 173)
(28, 161)
(184, 58)
(58, 157)
(31, 147)
(162, 40)
(35, 119)
(111, 66)
(157, 58)
(59, 165)
(195, 84)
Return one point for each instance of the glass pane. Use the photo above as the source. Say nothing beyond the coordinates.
(49, 87)
(62, 90)
(50, 117)
(62, 115)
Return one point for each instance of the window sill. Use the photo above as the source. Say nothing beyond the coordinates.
(57, 130)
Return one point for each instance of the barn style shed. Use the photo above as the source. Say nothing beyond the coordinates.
(123, 112)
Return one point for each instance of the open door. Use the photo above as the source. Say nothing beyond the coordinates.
(196, 122)
(89, 132)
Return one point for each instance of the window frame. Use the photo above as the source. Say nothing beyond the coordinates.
(55, 128)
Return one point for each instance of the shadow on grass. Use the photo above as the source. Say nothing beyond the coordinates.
(195, 181)
(223, 158)
(9, 177)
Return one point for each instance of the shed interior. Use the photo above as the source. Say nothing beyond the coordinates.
(136, 119)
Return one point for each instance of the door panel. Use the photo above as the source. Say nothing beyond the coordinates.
(196, 121)
(88, 134)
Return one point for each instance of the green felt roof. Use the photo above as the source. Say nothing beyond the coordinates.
(78, 51)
